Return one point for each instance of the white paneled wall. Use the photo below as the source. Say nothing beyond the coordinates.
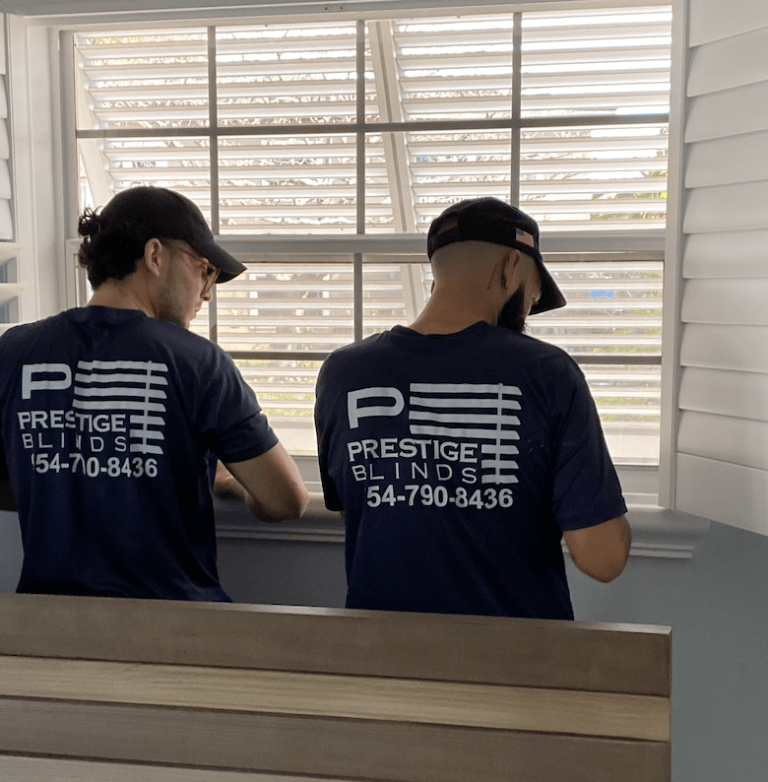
(722, 465)
(6, 224)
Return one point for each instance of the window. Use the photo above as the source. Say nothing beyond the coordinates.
(321, 152)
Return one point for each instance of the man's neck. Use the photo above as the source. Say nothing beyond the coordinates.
(119, 295)
(448, 314)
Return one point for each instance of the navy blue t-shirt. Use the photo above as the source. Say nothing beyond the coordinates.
(109, 423)
(459, 460)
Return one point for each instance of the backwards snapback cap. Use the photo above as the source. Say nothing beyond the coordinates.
(164, 214)
(492, 220)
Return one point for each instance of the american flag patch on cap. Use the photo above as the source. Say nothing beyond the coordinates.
(524, 237)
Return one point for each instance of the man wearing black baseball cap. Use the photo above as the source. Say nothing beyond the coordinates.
(113, 416)
(461, 451)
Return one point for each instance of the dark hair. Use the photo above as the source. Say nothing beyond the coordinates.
(109, 249)
(114, 239)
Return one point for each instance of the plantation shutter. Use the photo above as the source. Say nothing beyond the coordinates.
(722, 461)
(10, 290)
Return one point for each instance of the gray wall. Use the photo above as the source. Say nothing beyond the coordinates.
(717, 605)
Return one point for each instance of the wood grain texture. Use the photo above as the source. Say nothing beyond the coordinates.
(631, 659)
(14, 768)
(355, 749)
(354, 697)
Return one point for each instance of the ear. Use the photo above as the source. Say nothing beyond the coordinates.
(153, 257)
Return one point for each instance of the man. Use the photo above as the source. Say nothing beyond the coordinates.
(111, 417)
(460, 450)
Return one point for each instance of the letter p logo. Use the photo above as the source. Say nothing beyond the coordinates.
(56, 377)
(356, 412)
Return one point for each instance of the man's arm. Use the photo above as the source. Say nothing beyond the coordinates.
(270, 485)
(601, 551)
(7, 496)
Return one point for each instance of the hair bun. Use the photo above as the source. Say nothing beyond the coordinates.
(89, 223)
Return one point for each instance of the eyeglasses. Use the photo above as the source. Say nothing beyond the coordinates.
(210, 271)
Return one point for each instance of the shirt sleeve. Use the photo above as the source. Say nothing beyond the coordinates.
(585, 489)
(229, 415)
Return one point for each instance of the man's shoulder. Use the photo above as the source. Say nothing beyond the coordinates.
(23, 333)
(182, 347)
(540, 349)
(129, 329)
(356, 351)
(494, 342)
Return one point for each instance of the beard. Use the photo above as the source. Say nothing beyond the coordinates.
(512, 315)
(168, 308)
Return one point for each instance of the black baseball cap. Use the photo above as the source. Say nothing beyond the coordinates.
(492, 220)
(160, 213)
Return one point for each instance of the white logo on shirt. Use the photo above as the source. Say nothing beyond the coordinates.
(103, 385)
(442, 415)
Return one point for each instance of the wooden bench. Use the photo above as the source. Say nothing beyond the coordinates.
(96, 689)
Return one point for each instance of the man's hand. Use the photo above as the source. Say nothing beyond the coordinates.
(601, 551)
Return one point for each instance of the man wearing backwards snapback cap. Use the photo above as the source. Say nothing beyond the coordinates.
(112, 416)
(461, 451)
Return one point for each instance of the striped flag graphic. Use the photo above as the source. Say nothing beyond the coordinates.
(135, 388)
(476, 411)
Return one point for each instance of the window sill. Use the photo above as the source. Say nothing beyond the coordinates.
(656, 532)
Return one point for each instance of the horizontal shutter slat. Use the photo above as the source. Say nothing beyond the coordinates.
(732, 62)
(725, 347)
(722, 438)
(739, 302)
(727, 208)
(5, 181)
(728, 161)
(6, 221)
(713, 20)
(731, 254)
(737, 394)
(728, 493)
(728, 113)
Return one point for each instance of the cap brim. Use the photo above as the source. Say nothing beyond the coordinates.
(551, 295)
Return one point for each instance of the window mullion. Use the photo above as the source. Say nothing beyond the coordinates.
(517, 90)
(213, 144)
(357, 271)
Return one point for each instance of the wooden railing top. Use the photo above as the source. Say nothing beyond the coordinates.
(619, 658)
